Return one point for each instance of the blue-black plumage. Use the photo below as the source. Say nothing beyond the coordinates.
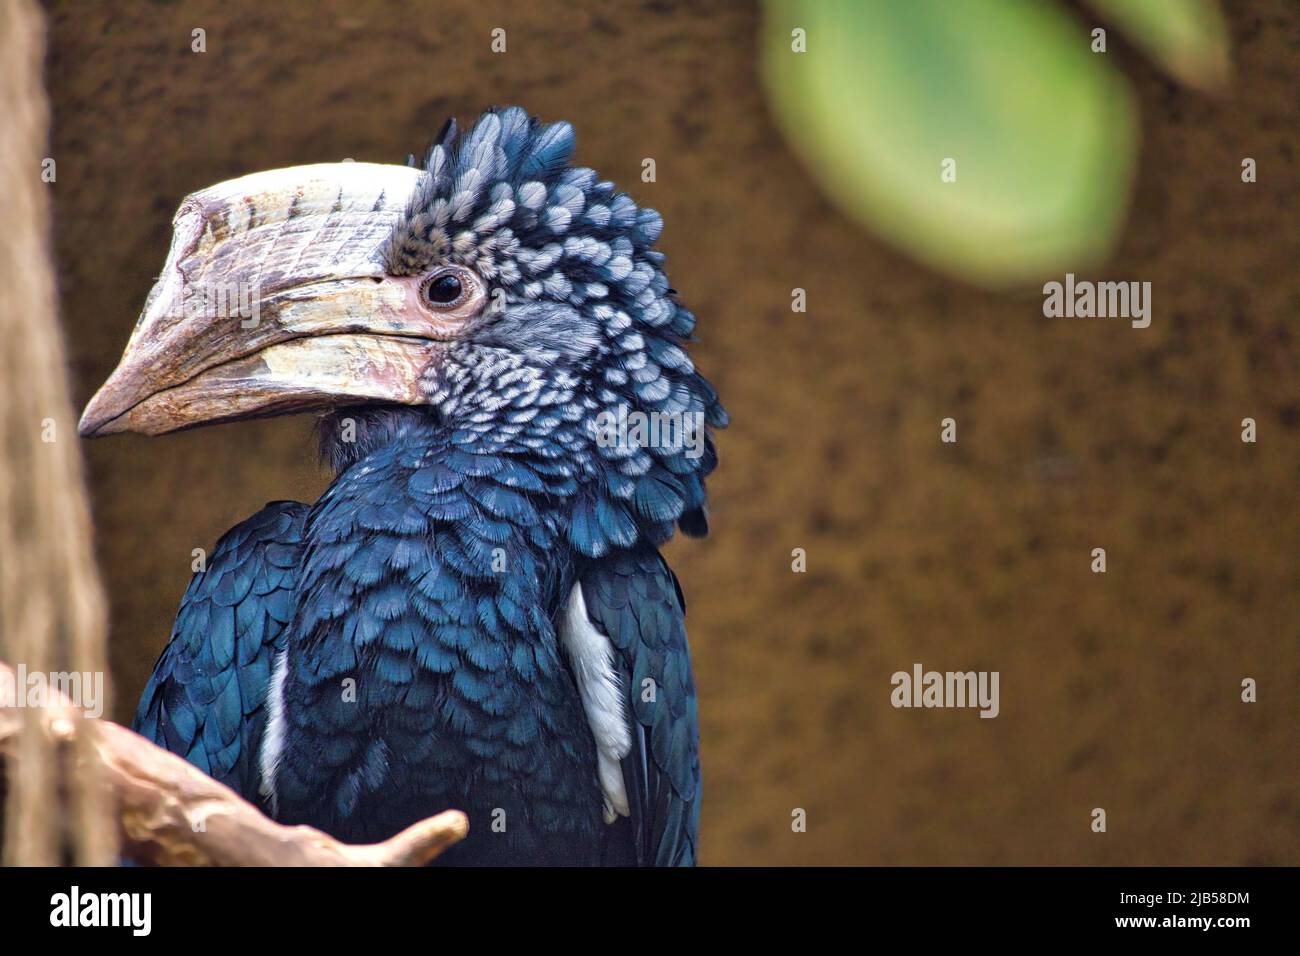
(475, 614)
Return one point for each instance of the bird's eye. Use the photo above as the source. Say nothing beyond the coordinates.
(454, 292)
(452, 288)
(445, 289)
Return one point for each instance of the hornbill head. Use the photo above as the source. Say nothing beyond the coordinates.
(514, 297)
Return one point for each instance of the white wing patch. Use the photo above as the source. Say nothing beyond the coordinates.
(592, 657)
(273, 737)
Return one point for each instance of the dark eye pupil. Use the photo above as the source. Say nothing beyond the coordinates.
(444, 289)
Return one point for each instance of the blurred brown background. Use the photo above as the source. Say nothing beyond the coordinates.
(1118, 691)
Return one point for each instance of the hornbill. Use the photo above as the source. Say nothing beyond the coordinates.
(475, 613)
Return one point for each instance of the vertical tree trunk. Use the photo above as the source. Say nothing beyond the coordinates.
(51, 604)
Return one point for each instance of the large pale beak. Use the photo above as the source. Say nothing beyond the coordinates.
(274, 299)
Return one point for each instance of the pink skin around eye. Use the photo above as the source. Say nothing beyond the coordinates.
(411, 312)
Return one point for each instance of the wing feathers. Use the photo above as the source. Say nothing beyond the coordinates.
(206, 698)
(633, 597)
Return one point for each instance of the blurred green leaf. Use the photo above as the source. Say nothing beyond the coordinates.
(1042, 129)
(1187, 37)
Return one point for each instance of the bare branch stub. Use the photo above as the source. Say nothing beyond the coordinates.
(172, 814)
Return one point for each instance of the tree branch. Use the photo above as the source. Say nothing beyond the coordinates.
(172, 814)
